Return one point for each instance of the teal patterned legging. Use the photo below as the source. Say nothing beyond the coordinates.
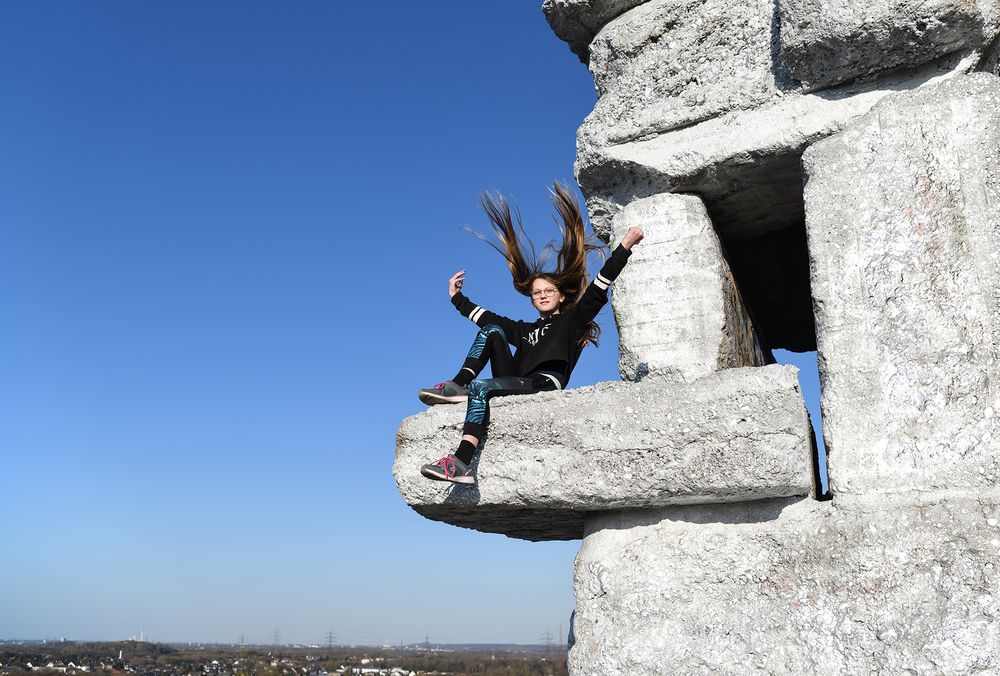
(491, 346)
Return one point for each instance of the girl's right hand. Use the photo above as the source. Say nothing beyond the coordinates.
(455, 283)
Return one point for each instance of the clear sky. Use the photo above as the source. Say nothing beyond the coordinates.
(226, 231)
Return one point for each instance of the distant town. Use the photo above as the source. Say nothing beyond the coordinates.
(122, 658)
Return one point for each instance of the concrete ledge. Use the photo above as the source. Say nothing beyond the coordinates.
(552, 459)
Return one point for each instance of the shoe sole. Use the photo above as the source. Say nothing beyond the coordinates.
(431, 399)
(431, 474)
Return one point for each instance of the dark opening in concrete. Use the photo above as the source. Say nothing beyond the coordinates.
(757, 208)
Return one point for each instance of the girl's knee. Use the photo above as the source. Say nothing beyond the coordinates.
(493, 330)
(490, 335)
(478, 389)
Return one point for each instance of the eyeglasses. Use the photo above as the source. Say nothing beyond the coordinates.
(544, 293)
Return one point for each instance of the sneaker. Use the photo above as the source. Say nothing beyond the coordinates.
(449, 468)
(444, 393)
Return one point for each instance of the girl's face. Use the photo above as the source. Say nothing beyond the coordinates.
(545, 296)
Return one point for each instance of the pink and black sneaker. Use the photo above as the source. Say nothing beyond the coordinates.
(449, 468)
(447, 392)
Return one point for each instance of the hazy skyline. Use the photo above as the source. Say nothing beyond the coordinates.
(226, 231)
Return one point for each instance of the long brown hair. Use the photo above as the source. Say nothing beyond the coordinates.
(570, 274)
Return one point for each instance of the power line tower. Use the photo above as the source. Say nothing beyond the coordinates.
(427, 642)
(277, 636)
(547, 638)
(330, 637)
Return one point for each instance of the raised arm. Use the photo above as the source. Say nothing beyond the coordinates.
(513, 330)
(596, 295)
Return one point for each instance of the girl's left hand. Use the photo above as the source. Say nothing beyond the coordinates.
(632, 237)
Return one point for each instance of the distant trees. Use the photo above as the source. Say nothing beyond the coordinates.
(166, 660)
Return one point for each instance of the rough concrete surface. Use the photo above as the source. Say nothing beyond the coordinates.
(991, 58)
(578, 21)
(856, 586)
(825, 42)
(552, 458)
(672, 63)
(730, 160)
(676, 304)
(903, 218)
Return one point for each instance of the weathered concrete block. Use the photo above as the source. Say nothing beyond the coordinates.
(578, 21)
(903, 218)
(825, 42)
(792, 587)
(553, 458)
(671, 63)
(676, 304)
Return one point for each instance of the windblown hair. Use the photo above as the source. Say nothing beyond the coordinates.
(570, 274)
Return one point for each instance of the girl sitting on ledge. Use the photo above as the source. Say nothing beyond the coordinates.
(546, 350)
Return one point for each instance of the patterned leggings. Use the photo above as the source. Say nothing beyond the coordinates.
(490, 346)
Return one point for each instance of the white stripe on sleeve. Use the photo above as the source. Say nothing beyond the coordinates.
(476, 314)
(601, 282)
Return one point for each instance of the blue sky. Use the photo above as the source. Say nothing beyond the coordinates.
(226, 231)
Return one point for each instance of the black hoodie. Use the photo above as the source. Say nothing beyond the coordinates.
(552, 345)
